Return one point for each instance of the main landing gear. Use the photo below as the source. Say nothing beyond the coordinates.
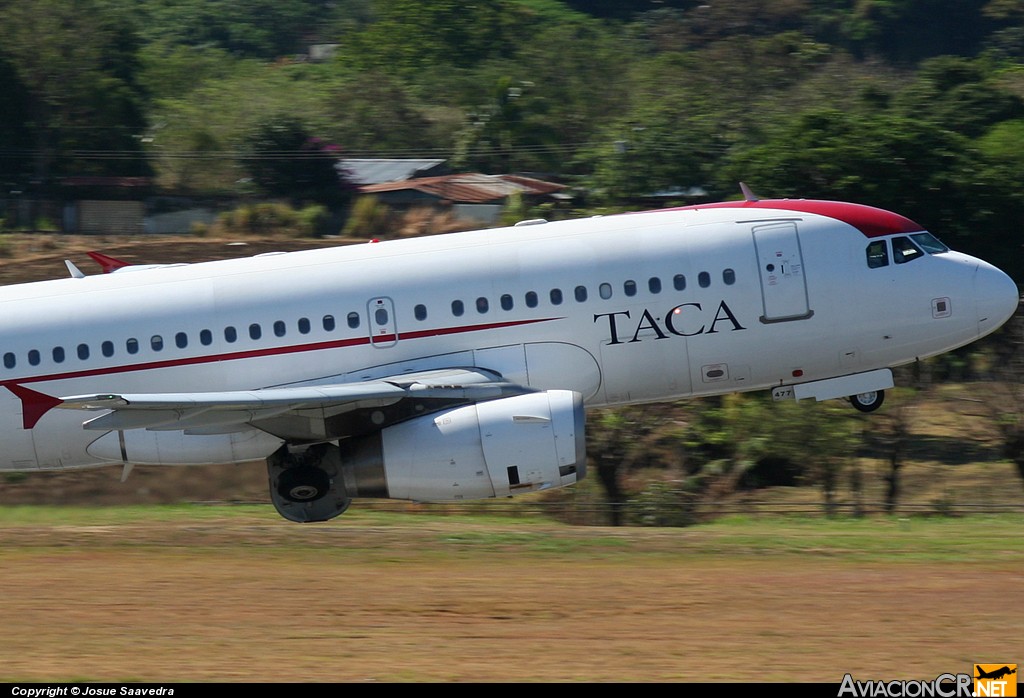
(306, 483)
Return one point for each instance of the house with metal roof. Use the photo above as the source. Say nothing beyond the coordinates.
(471, 196)
(363, 171)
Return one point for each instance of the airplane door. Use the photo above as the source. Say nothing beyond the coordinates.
(381, 313)
(783, 286)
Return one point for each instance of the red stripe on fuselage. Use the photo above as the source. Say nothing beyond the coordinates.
(270, 351)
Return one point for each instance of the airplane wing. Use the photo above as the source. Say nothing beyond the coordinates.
(297, 413)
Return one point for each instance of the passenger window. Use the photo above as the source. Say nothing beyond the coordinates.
(131, 346)
(304, 324)
(629, 288)
(458, 308)
(903, 250)
(729, 277)
(878, 254)
(580, 293)
(531, 299)
(205, 337)
(482, 305)
(156, 342)
(33, 357)
(279, 328)
(329, 323)
(353, 320)
(679, 282)
(605, 291)
(654, 284)
(107, 348)
(181, 340)
(506, 302)
(420, 311)
(556, 296)
(255, 331)
(83, 351)
(703, 279)
(58, 355)
(230, 334)
(9, 360)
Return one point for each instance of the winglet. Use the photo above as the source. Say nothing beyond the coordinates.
(33, 405)
(747, 194)
(107, 262)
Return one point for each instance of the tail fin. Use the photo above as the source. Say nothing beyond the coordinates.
(107, 262)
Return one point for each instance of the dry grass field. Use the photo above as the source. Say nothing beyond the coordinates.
(232, 594)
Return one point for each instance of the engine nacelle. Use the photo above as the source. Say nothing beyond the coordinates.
(489, 449)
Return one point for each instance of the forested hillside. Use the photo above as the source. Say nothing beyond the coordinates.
(914, 105)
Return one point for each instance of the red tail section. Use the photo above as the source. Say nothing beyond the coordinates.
(107, 262)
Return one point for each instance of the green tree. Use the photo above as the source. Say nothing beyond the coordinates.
(897, 163)
(958, 94)
(505, 134)
(253, 28)
(409, 35)
(285, 160)
(200, 137)
(15, 131)
(373, 112)
(76, 62)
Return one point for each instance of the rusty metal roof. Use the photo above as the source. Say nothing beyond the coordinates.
(471, 187)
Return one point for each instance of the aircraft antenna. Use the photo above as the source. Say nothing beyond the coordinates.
(747, 194)
(75, 272)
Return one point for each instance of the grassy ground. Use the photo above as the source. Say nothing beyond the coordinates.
(232, 594)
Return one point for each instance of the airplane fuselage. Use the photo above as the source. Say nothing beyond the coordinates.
(620, 309)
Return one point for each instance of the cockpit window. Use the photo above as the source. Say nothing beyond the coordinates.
(904, 250)
(878, 254)
(929, 243)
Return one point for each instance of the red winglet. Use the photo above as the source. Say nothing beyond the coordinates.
(107, 262)
(33, 405)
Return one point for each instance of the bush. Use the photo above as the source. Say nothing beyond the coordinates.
(369, 218)
(666, 504)
(269, 218)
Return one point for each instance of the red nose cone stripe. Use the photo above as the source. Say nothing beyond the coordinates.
(871, 221)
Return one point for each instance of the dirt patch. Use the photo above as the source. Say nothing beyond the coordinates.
(252, 600)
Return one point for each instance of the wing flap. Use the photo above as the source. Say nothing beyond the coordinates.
(300, 412)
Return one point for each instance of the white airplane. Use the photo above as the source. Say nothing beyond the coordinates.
(459, 366)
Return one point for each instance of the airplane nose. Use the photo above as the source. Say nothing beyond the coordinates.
(996, 297)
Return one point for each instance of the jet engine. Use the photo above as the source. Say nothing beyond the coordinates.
(498, 448)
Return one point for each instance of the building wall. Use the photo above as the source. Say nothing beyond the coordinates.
(111, 217)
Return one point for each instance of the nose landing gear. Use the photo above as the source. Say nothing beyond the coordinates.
(869, 401)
